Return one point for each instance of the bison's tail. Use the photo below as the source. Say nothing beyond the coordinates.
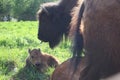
(78, 37)
(75, 33)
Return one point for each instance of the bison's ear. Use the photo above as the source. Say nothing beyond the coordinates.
(29, 51)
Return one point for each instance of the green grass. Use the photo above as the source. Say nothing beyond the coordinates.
(15, 39)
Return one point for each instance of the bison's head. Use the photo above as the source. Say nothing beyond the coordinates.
(53, 23)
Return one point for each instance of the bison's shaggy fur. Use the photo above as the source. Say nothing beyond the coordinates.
(54, 19)
(41, 60)
(101, 35)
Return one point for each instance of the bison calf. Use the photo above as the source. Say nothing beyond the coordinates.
(41, 61)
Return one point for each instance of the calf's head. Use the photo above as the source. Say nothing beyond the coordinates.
(36, 58)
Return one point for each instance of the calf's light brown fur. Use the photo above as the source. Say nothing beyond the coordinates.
(41, 60)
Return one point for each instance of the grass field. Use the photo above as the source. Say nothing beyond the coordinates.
(15, 39)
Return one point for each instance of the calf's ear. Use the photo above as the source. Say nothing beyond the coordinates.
(29, 51)
(39, 50)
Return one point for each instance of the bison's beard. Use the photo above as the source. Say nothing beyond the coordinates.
(54, 43)
(53, 40)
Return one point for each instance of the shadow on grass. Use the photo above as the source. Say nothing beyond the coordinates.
(6, 66)
(30, 73)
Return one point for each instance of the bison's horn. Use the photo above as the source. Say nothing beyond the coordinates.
(45, 10)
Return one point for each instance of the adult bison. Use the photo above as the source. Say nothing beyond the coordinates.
(54, 19)
(101, 35)
(65, 71)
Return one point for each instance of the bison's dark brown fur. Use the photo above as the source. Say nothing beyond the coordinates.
(101, 34)
(54, 19)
